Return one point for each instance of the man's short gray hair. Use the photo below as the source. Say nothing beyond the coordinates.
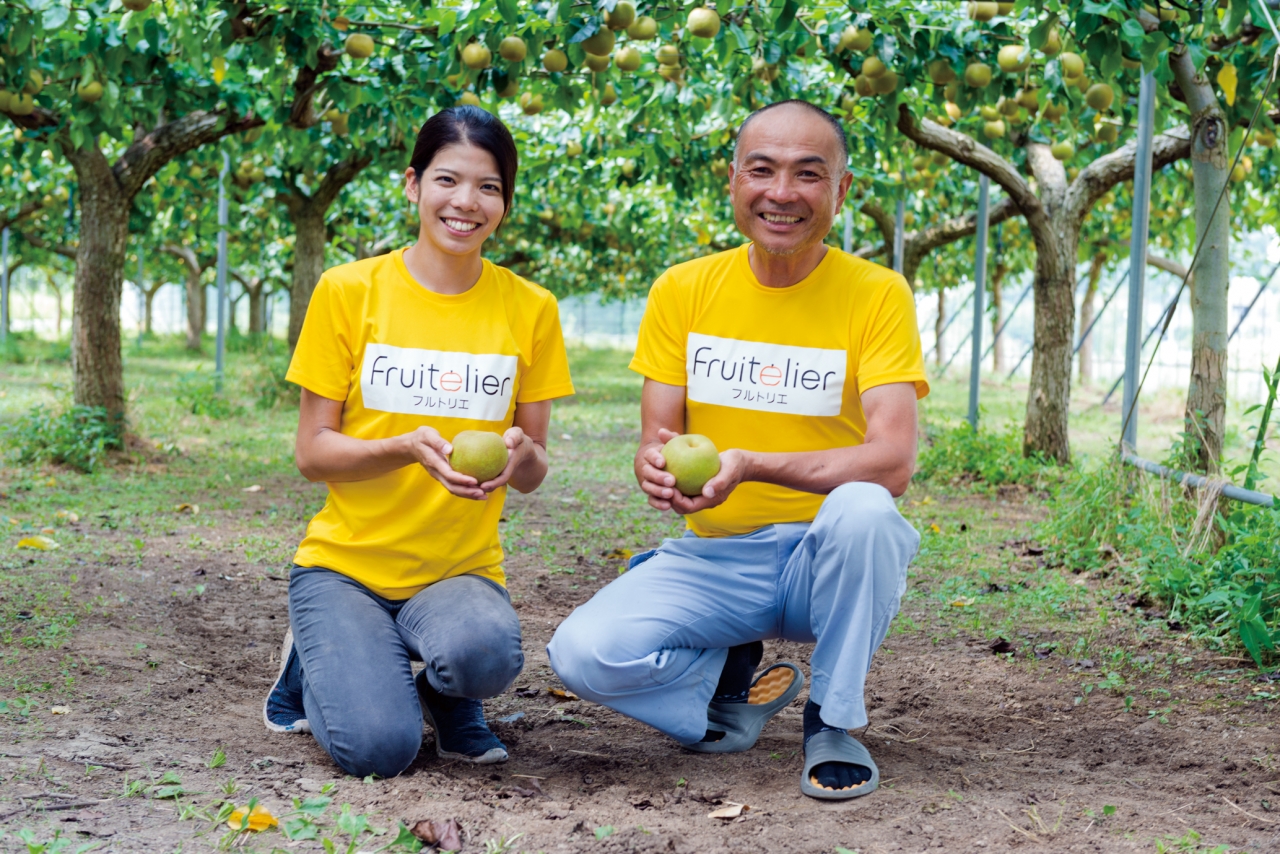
(841, 140)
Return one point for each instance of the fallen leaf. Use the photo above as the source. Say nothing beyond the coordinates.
(257, 487)
(567, 695)
(193, 509)
(51, 482)
(566, 437)
(60, 710)
(962, 602)
(48, 531)
(934, 527)
(619, 554)
(40, 542)
(70, 517)
(730, 810)
(259, 819)
(928, 499)
(1000, 646)
(13, 521)
(1227, 80)
(445, 835)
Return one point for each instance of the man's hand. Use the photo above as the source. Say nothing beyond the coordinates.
(659, 484)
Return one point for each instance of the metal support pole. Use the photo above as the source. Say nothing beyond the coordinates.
(899, 225)
(1138, 260)
(979, 294)
(4, 285)
(848, 228)
(221, 358)
(142, 301)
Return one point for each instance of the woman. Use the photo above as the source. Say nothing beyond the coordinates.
(397, 355)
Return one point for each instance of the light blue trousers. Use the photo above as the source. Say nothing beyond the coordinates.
(651, 644)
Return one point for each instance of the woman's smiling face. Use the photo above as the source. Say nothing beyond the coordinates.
(459, 198)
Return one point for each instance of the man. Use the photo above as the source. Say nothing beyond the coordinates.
(803, 365)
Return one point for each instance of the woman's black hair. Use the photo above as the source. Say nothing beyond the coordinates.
(468, 125)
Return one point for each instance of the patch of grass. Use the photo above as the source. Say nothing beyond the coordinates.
(79, 436)
(1219, 576)
(960, 455)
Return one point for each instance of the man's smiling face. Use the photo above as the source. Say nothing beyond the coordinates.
(788, 180)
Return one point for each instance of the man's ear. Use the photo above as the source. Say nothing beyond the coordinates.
(842, 189)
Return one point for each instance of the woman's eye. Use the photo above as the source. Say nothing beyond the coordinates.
(492, 188)
(443, 179)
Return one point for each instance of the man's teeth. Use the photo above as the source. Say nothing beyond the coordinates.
(459, 225)
(780, 218)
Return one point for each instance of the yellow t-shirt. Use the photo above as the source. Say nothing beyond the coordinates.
(777, 369)
(403, 357)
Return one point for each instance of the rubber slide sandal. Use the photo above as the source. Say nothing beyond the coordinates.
(832, 745)
(772, 691)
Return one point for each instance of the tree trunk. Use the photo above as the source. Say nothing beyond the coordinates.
(308, 264)
(1206, 410)
(1086, 317)
(150, 297)
(939, 324)
(997, 316)
(97, 369)
(256, 318)
(196, 318)
(1049, 396)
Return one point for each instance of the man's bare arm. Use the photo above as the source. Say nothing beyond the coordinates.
(887, 456)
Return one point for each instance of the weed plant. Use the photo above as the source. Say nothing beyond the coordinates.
(962, 456)
(78, 437)
(198, 393)
(1219, 575)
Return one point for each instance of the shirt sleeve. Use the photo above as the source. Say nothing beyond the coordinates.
(663, 341)
(891, 351)
(547, 376)
(322, 362)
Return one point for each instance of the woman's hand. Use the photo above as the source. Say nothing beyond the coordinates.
(430, 449)
(520, 449)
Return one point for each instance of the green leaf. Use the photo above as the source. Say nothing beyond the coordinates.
(509, 11)
(787, 16)
(299, 827)
(56, 16)
(1235, 16)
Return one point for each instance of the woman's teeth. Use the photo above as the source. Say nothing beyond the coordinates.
(460, 225)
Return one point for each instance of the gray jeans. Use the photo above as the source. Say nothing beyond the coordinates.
(356, 650)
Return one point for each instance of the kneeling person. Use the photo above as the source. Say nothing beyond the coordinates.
(399, 355)
(803, 365)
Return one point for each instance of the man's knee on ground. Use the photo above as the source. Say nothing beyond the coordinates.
(573, 654)
(385, 748)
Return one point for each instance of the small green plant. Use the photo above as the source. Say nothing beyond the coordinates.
(79, 437)
(963, 456)
(606, 831)
(270, 388)
(218, 759)
(56, 845)
(504, 845)
(198, 393)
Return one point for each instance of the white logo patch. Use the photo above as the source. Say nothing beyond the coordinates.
(769, 377)
(436, 382)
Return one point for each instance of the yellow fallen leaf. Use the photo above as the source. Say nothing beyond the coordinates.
(193, 509)
(962, 602)
(730, 810)
(60, 710)
(1227, 80)
(568, 695)
(928, 499)
(255, 488)
(48, 531)
(934, 527)
(619, 554)
(68, 515)
(51, 482)
(259, 820)
(13, 521)
(40, 542)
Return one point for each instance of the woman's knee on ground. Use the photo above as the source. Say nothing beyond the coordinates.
(385, 748)
(477, 667)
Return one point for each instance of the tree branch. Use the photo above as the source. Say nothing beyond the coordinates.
(187, 256)
(916, 245)
(56, 248)
(1117, 166)
(338, 176)
(883, 220)
(25, 210)
(172, 139)
(965, 149)
(302, 113)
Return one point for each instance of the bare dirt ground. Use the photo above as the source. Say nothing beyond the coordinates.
(977, 751)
